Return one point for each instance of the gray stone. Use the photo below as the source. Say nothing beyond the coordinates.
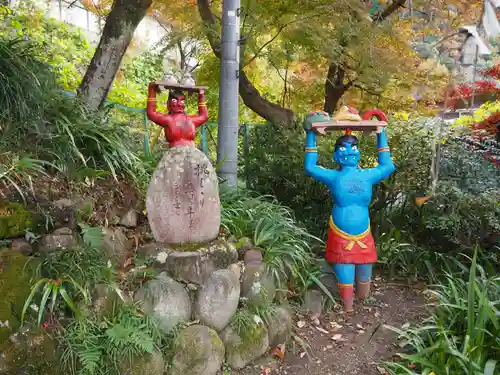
(235, 268)
(191, 263)
(244, 347)
(253, 257)
(182, 201)
(60, 239)
(148, 364)
(129, 220)
(22, 246)
(280, 327)
(114, 244)
(218, 299)
(199, 351)
(313, 301)
(167, 300)
(258, 285)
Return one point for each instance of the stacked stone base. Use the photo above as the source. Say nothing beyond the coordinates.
(202, 286)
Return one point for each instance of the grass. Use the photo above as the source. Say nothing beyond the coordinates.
(271, 227)
(43, 131)
(462, 334)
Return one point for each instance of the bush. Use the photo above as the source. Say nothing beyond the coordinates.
(24, 82)
(109, 346)
(268, 225)
(462, 335)
(40, 124)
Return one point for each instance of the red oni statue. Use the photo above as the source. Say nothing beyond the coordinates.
(180, 128)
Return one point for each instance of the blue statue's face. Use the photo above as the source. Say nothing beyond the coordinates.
(347, 155)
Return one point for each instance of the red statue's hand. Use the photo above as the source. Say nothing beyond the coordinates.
(153, 86)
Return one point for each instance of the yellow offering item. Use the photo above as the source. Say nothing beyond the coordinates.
(346, 114)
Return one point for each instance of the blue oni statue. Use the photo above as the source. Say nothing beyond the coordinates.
(350, 247)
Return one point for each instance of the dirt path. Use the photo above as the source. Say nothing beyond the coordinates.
(355, 346)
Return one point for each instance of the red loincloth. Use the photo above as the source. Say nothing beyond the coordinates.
(342, 248)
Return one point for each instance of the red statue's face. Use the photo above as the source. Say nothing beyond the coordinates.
(176, 105)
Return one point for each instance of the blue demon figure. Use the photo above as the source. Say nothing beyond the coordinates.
(350, 246)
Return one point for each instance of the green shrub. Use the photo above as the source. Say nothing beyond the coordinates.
(24, 82)
(270, 226)
(108, 346)
(462, 335)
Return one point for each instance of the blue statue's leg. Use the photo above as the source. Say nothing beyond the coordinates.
(363, 280)
(345, 277)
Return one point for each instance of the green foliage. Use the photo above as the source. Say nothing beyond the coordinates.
(462, 335)
(108, 346)
(24, 81)
(14, 220)
(145, 68)
(286, 246)
(78, 143)
(65, 48)
(16, 170)
(68, 276)
(54, 290)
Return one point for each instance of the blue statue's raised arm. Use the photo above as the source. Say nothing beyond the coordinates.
(313, 170)
(311, 158)
(385, 165)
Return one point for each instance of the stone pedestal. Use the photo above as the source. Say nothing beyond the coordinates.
(182, 201)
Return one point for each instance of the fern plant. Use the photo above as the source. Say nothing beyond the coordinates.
(95, 346)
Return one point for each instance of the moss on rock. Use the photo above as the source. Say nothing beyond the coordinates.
(14, 219)
(31, 352)
(15, 277)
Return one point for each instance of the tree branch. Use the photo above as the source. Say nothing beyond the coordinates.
(370, 92)
(334, 83)
(387, 12)
(272, 112)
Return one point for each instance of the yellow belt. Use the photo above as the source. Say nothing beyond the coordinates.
(352, 239)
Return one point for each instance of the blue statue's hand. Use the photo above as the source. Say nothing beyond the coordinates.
(315, 117)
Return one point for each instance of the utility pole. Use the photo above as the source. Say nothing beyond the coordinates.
(227, 139)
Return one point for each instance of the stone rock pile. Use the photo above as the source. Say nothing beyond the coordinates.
(202, 286)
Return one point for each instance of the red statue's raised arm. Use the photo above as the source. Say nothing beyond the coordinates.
(202, 115)
(158, 118)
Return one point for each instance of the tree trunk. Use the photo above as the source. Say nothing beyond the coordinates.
(334, 87)
(272, 112)
(334, 83)
(116, 37)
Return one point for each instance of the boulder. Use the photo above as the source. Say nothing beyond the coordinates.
(116, 245)
(60, 239)
(66, 211)
(245, 346)
(280, 327)
(191, 263)
(182, 201)
(258, 285)
(313, 301)
(253, 258)
(218, 299)
(148, 364)
(199, 351)
(22, 246)
(167, 300)
(129, 220)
